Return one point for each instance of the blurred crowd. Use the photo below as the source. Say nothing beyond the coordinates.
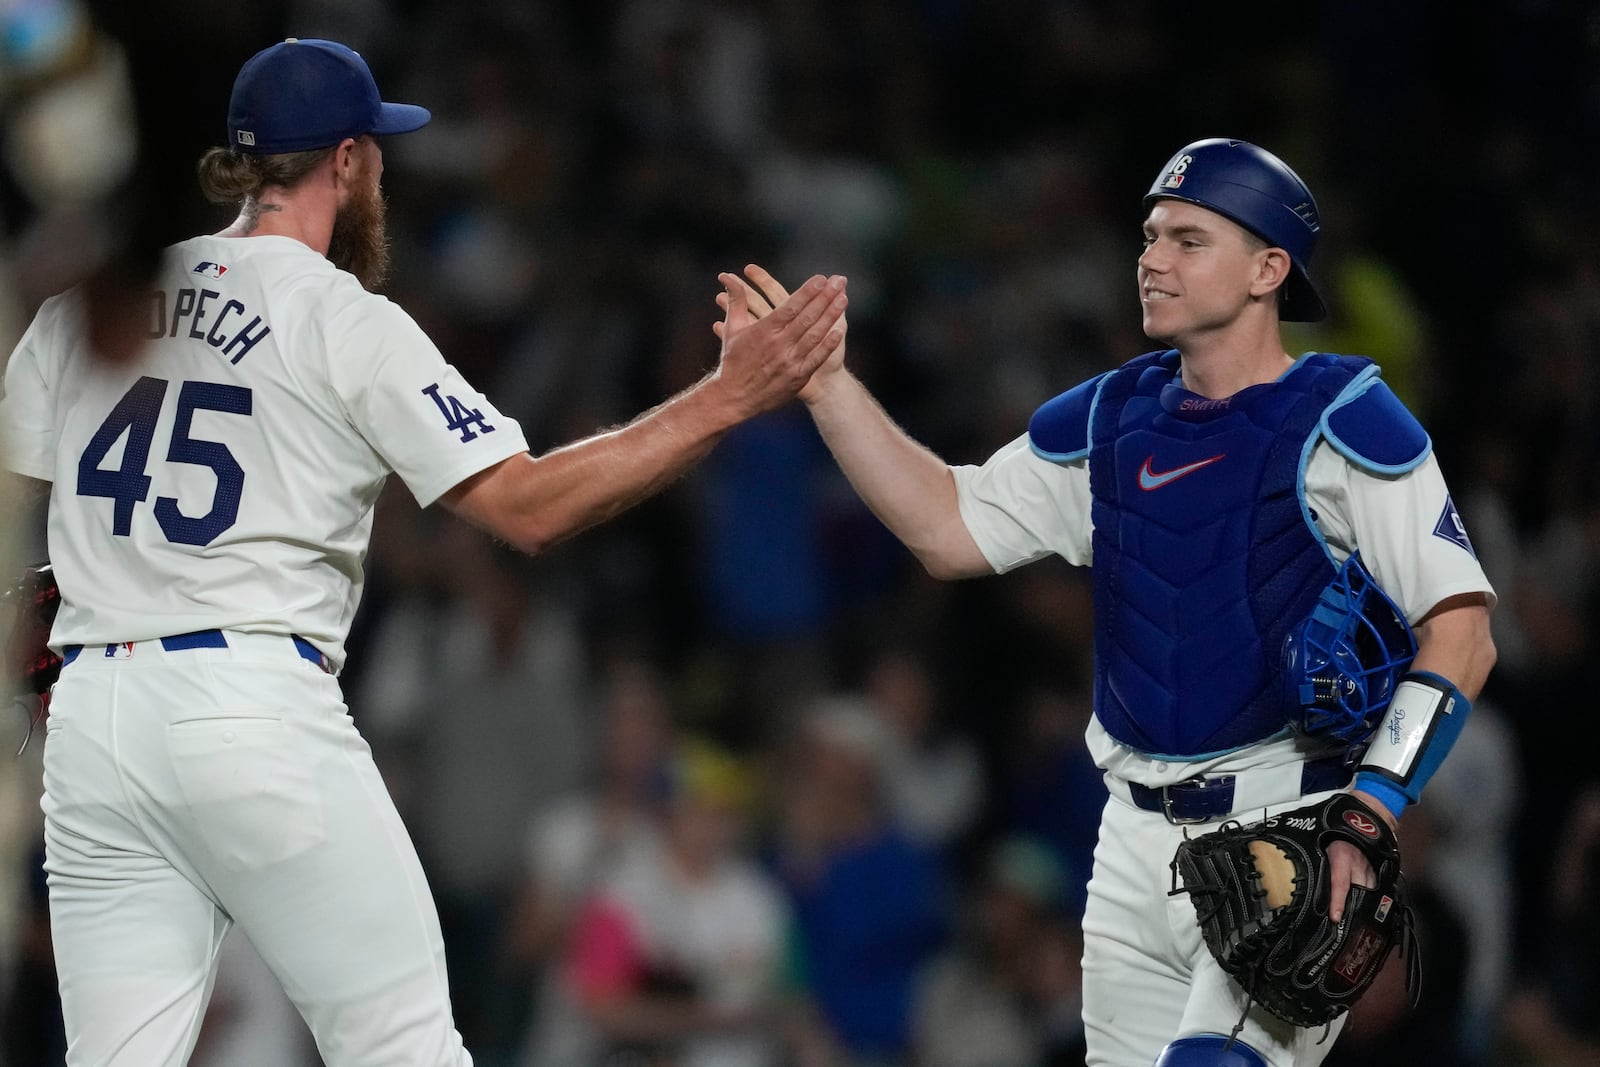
(729, 782)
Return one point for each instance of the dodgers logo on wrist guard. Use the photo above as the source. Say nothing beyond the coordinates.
(1342, 664)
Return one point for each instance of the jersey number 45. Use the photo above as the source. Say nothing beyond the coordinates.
(137, 414)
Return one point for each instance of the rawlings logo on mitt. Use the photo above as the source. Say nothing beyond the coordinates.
(1261, 895)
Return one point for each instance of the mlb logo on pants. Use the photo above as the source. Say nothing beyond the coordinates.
(122, 650)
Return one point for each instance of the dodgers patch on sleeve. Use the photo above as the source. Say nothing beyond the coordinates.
(1452, 529)
(458, 417)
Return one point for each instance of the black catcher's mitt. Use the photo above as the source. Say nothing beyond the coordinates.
(32, 601)
(1261, 895)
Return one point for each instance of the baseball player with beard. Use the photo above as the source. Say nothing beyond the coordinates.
(1217, 488)
(210, 504)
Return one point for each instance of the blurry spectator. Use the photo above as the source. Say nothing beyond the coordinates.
(932, 774)
(998, 997)
(693, 70)
(1474, 802)
(24, 926)
(250, 1021)
(1552, 1018)
(1556, 598)
(1058, 992)
(1382, 1032)
(581, 839)
(30, 1016)
(764, 570)
(1490, 497)
(1372, 312)
(677, 957)
(1051, 789)
(503, 711)
(870, 902)
(584, 155)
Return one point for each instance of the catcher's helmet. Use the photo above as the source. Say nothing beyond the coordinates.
(1257, 190)
(1342, 664)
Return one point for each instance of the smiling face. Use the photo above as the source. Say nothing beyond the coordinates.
(1200, 272)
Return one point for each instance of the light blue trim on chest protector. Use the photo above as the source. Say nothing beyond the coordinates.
(1059, 430)
(1369, 426)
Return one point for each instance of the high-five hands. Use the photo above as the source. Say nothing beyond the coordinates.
(745, 302)
(772, 344)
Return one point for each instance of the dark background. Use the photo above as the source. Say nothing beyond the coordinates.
(976, 169)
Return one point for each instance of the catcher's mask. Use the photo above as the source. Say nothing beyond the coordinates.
(1341, 665)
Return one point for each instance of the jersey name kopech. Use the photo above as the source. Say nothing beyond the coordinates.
(225, 477)
(206, 315)
(1204, 555)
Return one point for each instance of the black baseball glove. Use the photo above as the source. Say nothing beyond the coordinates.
(1261, 895)
(32, 601)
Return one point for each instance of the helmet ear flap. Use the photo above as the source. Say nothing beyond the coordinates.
(1342, 663)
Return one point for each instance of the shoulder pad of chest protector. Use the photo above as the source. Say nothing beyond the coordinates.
(1059, 429)
(1370, 427)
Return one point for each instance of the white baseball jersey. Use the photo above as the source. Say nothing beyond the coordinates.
(1021, 507)
(226, 477)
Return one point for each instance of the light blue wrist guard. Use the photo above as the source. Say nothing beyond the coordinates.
(1383, 791)
(1416, 733)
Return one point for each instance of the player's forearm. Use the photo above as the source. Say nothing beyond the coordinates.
(1431, 704)
(910, 489)
(535, 502)
(1454, 642)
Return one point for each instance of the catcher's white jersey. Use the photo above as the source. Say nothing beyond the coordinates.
(1021, 507)
(225, 478)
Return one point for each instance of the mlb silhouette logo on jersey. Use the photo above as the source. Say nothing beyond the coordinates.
(457, 416)
(209, 269)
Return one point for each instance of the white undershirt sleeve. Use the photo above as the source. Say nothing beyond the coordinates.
(1020, 507)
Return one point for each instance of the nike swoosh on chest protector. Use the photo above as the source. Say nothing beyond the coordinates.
(1150, 479)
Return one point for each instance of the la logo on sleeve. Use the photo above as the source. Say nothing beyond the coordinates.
(457, 416)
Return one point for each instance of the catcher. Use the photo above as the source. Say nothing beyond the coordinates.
(1218, 490)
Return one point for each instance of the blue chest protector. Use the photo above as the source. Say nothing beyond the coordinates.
(1205, 555)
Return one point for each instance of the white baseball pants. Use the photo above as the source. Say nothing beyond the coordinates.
(1147, 975)
(190, 790)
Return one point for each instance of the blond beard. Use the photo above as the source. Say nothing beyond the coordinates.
(360, 241)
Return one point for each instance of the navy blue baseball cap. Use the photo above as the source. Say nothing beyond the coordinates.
(305, 93)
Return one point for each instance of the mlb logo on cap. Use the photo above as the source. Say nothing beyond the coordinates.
(302, 94)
